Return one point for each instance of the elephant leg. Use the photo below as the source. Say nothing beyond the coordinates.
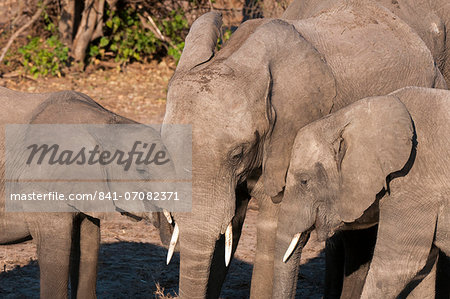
(442, 241)
(443, 276)
(358, 249)
(89, 248)
(263, 269)
(334, 266)
(354, 283)
(53, 236)
(74, 266)
(405, 236)
(423, 286)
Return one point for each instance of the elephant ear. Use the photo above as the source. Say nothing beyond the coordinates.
(238, 38)
(302, 89)
(374, 141)
(201, 41)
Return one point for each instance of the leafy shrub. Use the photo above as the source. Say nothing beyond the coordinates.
(127, 40)
(44, 56)
(226, 34)
(174, 28)
(127, 36)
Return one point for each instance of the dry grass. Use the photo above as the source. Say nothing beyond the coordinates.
(159, 293)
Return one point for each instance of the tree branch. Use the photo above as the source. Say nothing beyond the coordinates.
(23, 28)
(90, 27)
(151, 25)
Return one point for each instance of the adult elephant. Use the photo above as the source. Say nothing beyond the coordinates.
(246, 102)
(430, 20)
(68, 242)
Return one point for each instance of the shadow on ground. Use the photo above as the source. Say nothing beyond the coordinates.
(132, 270)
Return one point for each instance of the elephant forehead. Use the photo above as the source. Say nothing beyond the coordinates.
(306, 152)
(205, 77)
(230, 94)
(224, 107)
(215, 83)
(225, 132)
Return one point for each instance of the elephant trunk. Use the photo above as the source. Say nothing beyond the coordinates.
(291, 238)
(196, 252)
(204, 254)
(286, 273)
(204, 248)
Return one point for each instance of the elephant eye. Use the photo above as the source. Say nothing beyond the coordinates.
(304, 180)
(142, 171)
(236, 155)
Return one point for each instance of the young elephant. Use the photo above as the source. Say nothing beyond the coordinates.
(68, 240)
(371, 157)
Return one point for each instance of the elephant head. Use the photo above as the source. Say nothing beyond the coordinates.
(245, 104)
(338, 166)
(74, 121)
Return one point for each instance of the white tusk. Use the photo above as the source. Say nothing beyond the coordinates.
(291, 247)
(228, 244)
(168, 216)
(173, 242)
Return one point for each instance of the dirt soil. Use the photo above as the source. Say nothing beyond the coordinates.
(132, 258)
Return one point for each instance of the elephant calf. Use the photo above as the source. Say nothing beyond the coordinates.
(388, 153)
(68, 240)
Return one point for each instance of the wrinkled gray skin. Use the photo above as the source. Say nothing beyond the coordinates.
(371, 155)
(65, 241)
(246, 102)
(430, 20)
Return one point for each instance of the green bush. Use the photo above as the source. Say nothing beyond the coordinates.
(174, 28)
(44, 56)
(127, 40)
(224, 38)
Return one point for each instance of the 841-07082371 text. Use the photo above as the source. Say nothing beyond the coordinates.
(132, 195)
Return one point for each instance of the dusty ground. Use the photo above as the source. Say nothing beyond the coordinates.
(132, 259)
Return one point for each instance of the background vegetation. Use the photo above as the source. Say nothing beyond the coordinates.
(52, 37)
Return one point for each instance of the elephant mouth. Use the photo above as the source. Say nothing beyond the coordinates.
(176, 233)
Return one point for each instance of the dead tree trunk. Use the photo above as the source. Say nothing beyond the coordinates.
(90, 28)
(66, 22)
(35, 17)
(264, 8)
